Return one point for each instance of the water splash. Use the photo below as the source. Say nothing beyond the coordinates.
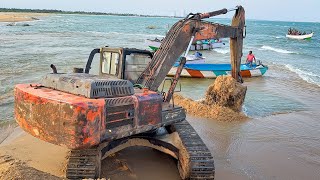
(306, 76)
(221, 51)
(278, 50)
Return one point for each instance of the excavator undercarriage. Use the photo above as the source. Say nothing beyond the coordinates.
(182, 143)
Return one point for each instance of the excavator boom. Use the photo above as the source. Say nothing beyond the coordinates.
(179, 36)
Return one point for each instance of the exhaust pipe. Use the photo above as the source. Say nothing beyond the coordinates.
(54, 69)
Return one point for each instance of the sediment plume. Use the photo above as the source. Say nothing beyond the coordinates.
(223, 101)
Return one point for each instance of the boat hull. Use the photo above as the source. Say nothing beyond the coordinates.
(215, 70)
(300, 37)
(198, 61)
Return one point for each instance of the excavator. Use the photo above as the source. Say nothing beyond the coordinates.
(96, 116)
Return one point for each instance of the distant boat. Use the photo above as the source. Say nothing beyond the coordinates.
(300, 37)
(11, 24)
(154, 44)
(151, 27)
(193, 59)
(215, 70)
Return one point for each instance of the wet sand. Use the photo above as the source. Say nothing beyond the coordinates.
(273, 147)
(26, 157)
(263, 148)
(20, 17)
(23, 150)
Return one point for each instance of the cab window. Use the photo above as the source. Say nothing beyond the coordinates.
(134, 65)
(110, 62)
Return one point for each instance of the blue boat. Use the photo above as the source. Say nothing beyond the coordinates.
(215, 70)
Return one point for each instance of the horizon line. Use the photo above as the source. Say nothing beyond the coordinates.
(131, 14)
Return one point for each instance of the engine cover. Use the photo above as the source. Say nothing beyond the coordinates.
(90, 86)
(78, 122)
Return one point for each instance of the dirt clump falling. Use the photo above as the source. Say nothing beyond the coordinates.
(226, 92)
(223, 101)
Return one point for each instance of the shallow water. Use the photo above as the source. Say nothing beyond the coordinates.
(280, 142)
(275, 147)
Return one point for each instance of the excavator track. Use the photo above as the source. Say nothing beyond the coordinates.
(84, 164)
(201, 162)
(198, 164)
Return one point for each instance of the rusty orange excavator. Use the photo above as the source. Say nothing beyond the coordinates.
(98, 115)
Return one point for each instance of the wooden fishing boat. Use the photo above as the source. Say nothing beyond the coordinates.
(154, 44)
(215, 70)
(300, 37)
(207, 45)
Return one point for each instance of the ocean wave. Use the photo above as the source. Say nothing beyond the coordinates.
(221, 51)
(277, 50)
(306, 76)
(278, 37)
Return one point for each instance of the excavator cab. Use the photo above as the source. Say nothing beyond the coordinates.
(128, 64)
(122, 63)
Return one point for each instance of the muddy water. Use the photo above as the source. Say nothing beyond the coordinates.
(275, 147)
(283, 146)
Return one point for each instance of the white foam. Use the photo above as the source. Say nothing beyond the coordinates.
(277, 50)
(307, 76)
(278, 37)
(244, 110)
(221, 51)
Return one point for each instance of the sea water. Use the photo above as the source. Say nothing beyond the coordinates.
(284, 103)
(66, 41)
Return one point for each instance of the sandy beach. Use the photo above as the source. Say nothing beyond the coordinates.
(23, 156)
(20, 17)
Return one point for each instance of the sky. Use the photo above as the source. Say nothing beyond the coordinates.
(277, 10)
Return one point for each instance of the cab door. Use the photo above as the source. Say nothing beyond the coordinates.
(110, 62)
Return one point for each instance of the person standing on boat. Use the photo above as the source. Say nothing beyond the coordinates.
(198, 54)
(250, 58)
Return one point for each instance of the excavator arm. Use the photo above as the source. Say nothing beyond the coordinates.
(193, 28)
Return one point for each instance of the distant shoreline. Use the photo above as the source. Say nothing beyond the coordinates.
(46, 11)
(50, 11)
(13, 17)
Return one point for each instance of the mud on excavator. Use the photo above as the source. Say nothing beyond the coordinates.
(98, 115)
